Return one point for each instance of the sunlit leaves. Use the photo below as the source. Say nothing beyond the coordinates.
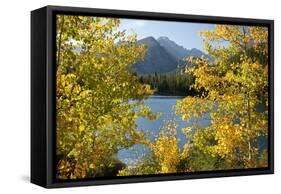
(235, 88)
(166, 148)
(95, 112)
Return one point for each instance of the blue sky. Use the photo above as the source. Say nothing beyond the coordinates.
(183, 33)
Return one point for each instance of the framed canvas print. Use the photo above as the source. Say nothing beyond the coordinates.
(125, 96)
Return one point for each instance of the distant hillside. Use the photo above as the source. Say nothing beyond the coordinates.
(163, 55)
(177, 51)
(157, 58)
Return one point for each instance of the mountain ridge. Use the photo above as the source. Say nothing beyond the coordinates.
(163, 55)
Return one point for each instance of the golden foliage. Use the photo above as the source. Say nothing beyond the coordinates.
(235, 86)
(166, 148)
(95, 117)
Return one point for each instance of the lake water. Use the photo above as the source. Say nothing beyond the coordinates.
(165, 105)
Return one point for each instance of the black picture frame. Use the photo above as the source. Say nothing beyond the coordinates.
(43, 79)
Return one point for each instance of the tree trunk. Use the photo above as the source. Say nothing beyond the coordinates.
(249, 126)
(60, 41)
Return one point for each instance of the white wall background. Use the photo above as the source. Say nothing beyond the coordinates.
(15, 95)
